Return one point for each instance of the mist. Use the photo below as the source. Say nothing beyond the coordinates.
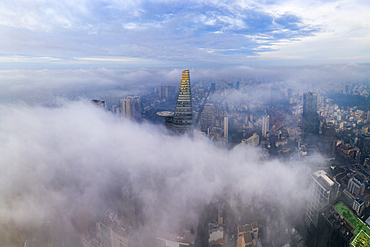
(48, 86)
(60, 163)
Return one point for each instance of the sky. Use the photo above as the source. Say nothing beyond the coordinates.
(42, 34)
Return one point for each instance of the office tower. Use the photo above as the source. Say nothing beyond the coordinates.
(131, 107)
(100, 103)
(323, 191)
(166, 92)
(116, 109)
(111, 233)
(356, 185)
(183, 117)
(265, 125)
(310, 117)
(207, 118)
(181, 121)
(328, 133)
(364, 146)
(226, 127)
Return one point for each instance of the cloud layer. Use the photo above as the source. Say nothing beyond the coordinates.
(57, 162)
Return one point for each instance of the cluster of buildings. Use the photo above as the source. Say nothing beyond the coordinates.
(288, 126)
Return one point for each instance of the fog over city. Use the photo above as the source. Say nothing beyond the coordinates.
(66, 161)
(219, 123)
(47, 86)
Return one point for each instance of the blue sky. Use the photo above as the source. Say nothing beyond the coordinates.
(37, 34)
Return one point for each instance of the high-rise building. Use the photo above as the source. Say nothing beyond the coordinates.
(181, 121)
(112, 235)
(131, 107)
(166, 92)
(323, 191)
(100, 103)
(207, 117)
(226, 127)
(364, 146)
(310, 117)
(328, 133)
(265, 125)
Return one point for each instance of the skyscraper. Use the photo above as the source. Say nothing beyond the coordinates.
(310, 117)
(265, 125)
(181, 121)
(322, 192)
(100, 103)
(111, 233)
(328, 132)
(226, 128)
(131, 107)
(207, 118)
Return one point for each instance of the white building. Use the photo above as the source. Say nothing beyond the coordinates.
(323, 191)
(131, 107)
(265, 125)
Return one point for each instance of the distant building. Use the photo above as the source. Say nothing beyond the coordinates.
(116, 109)
(265, 125)
(213, 87)
(228, 126)
(328, 133)
(322, 192)
(364, 146)
(207, 118)
(111, 233)
(216, 234)
(181, 238)
(100, 103)
(247, 235)
(181, 121)
(30, 243)
(310, 117)
(166, 92)
(253, 141)
(131, 107)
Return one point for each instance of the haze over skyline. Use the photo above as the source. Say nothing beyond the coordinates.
(92, 34)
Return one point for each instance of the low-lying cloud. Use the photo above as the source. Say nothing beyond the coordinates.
(59, 162)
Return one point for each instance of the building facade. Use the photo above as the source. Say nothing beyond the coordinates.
(131, 107)
(323, 191)
(310, 118)
(265, 125)
(181, 121)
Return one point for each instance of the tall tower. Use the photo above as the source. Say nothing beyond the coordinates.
(328, 133)
(181, 121)
(323, 191)
(265, 125)
(131, 107)
(226, 128)
(310, 117)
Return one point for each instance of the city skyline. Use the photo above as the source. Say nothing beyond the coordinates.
(277, 123)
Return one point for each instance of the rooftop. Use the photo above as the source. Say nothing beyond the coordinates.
(361, 231)
(165, 114)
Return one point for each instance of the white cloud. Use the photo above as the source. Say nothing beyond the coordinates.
(57, 161)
